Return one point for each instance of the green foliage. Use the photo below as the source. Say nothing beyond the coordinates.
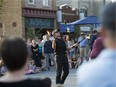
(1, 3)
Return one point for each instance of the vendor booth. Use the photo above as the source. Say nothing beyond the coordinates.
(92, 20)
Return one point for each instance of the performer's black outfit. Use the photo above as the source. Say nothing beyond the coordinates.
(61, 61)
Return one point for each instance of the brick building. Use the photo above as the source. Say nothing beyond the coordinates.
(11, 18)
(68, 13)
(20, 16)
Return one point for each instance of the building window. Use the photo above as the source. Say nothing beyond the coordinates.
(45, 2)
(84, 10)
(31, 2)
(14, 24)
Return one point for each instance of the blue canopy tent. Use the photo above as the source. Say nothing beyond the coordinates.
(94, 20)
(87, 20)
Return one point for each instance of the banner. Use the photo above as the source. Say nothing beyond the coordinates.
(66, 28)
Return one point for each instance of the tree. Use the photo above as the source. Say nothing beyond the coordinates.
(1, 4)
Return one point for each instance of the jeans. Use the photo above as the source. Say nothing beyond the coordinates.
(71, 54)
(61, 64)
(51, 57)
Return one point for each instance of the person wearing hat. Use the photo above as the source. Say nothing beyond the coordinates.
(83, 42)
(101, 72)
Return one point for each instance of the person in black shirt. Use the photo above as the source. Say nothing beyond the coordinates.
(60, 48)
(34, 49)
(48, 81)
(48, 52)
(93, 37)
(24, 83)
(15, 56)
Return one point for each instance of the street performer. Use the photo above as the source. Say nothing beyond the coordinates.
(60, 48)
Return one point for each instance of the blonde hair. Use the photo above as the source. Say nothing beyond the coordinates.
(1, 63)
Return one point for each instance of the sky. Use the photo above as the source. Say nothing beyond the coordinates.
(113, 0)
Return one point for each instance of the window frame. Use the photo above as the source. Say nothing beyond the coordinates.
(31, 3)
(45, 4)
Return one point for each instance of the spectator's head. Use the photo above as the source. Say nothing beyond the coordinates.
(94, 32)
(64, 37)
(44, 37)
(39, 40)
(82, 34)
(99, 32)
(109, 22)
(14, 54)
(57, 34)
(33, 42)
(29, 40)
(48, 81)
(67, 38)
(32, 62)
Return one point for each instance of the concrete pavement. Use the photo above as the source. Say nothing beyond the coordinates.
(71, 81)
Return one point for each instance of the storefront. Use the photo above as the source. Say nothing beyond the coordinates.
(40, 20)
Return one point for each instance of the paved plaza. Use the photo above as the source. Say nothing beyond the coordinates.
(71, 81)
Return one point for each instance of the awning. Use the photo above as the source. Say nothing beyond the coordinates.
(87, 20)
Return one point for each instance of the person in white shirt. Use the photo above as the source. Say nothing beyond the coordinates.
(101, 71)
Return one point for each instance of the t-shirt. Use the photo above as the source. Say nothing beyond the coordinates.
(34, 48)
(60, 47)
(83, 42)
(92, 39)
(24, 83)
(98, 46)
(40, 48)
(70, 44)
(48, 47)
(99, 72)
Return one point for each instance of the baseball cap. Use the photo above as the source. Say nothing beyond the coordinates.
(82, 33)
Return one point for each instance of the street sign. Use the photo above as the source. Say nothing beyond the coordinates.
(85, 28)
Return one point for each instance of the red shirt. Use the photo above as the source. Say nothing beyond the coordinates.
(97, 47)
